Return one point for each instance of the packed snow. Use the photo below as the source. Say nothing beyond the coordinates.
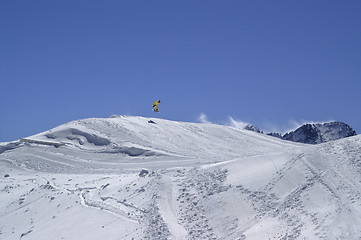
(145, 178)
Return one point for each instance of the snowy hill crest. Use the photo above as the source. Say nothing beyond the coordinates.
(140, 178)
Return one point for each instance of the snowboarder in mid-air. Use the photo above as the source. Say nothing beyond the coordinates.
(155, 105)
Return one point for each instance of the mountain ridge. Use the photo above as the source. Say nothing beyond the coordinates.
(313, 133)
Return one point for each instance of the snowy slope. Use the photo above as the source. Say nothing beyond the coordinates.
(139, 178)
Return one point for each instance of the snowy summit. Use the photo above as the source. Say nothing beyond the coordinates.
(130, 177)
(315, 133)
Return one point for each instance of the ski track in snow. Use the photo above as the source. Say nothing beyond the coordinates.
(209, 182)
(169, 210)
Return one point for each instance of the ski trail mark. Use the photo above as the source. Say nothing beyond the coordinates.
(168, 210)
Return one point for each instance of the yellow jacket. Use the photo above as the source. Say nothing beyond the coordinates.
(156, 103)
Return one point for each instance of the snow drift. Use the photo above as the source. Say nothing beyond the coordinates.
(138, 178)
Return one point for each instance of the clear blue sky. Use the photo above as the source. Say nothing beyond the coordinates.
(264, 62)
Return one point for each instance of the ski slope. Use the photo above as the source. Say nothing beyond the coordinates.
(131, 177)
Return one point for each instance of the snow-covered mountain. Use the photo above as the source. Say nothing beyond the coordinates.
(139, 178)
(315, 133)
(253, 128)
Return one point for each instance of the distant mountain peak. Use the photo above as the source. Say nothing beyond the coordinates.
(252, 128)
(314, 133)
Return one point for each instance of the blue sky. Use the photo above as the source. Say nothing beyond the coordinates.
(274, 64)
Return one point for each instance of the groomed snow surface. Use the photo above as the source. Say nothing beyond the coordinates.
(139, 178)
